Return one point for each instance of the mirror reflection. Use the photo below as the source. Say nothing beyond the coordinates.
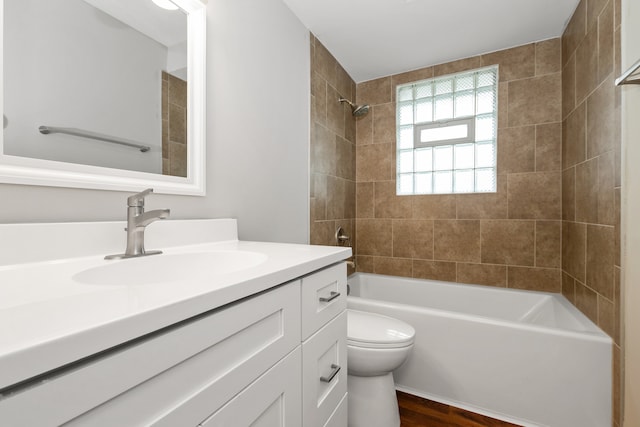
(97, 82)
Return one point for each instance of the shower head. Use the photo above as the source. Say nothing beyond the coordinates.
(360, 110)
(356, 110)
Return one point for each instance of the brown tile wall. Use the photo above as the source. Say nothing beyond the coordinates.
(174, 125)
(511, 238)
(333, 137)
(591, 149)
(554, 222)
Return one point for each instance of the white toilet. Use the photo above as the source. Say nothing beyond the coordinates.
(376, 345)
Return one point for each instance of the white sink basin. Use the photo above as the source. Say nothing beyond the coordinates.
(163, 268)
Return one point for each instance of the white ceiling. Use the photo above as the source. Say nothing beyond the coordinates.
(376, 38)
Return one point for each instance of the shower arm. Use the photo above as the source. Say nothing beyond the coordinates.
(341, 99)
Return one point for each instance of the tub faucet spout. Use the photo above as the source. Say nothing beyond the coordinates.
(137, 221)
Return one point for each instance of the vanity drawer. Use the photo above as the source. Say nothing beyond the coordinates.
(324, 296)
(324, 372)
(176, 378)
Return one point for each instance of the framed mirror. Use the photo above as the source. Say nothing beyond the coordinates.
(104, 94)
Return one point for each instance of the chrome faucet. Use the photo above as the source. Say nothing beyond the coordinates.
(137, 220)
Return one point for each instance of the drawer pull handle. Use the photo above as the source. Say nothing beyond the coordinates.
(335, 369)
(333, 295)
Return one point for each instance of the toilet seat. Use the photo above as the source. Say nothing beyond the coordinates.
(372, 330)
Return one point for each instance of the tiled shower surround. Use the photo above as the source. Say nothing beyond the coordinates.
(174, 125)
(591, 170)
(333, 137)
(508, 238)
(554, 222)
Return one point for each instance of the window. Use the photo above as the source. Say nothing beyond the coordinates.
(446, 134)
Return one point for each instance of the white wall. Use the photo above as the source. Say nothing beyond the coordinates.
(68, 64)
(177, 60)
(259, 117)
(257, 135)
(630, 39)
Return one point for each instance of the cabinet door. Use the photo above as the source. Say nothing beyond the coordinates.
(324, 296)
(340, 416)
(176, 378)
(324, 372)
(273, 400)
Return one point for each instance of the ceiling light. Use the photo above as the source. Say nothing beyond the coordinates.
(165, 4)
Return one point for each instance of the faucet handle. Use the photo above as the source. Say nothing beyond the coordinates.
(137, 200)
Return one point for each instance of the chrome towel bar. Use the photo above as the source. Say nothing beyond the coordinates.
(624, 78)
(94, 135)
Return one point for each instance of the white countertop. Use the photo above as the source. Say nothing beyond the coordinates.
(48, 318)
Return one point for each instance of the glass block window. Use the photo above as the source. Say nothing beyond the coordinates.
(446, 134)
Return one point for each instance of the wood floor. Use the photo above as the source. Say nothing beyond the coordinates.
(418, 412)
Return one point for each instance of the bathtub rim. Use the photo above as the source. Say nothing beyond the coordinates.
(595, 333)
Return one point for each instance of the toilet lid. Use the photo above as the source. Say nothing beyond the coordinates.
(377, 331)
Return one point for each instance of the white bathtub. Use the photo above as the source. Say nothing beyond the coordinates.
(530, 358)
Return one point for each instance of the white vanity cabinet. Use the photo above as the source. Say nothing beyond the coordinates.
(266, 360)
(271, 400)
